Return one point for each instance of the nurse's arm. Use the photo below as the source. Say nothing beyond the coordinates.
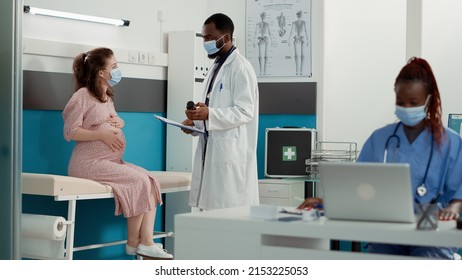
(310, 202)
(452, 211)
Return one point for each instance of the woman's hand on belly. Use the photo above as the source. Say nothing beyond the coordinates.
(115, 121)
(112, 140)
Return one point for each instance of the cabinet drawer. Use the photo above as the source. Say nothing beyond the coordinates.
(274, 190)
(274, 201)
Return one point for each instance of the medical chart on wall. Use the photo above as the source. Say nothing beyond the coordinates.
(278, 37)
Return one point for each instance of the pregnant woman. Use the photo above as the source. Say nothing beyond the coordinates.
(91, 121)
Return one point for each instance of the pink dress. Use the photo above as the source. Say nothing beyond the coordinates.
(135, 190)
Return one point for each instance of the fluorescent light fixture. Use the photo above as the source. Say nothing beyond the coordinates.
(59, 14)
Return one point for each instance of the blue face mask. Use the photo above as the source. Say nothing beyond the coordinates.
(116, 76)
(211, 46)
(412, 116)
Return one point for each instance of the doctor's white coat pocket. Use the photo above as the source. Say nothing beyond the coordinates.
(226, 150)
(228, 162)
(222, 99)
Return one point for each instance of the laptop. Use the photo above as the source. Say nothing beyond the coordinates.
(367, 191)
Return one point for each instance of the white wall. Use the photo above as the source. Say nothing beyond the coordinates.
(364, 49)
(143, 34)
(441, 46)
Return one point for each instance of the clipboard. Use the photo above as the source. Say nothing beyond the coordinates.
(177, 124)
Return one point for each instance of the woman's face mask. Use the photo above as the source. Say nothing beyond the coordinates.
(116, 76)
(412, 116)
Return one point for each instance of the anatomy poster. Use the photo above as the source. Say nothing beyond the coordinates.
(278, 37)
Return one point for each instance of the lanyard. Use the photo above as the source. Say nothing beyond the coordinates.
(218, 63)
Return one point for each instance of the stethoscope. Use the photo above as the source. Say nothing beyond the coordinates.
(422, 189)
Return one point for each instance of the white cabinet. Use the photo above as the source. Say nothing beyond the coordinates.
(187, 66)
(281, 192)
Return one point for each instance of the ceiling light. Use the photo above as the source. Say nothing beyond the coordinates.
(59, 14)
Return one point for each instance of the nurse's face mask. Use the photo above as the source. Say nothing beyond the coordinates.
(412, 116)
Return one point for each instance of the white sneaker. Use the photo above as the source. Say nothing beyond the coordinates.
(129, 250)
(155, 251)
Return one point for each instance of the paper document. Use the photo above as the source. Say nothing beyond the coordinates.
(177, 124)
(291, 210)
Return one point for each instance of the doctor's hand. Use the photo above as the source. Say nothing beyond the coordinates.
(111, 139)
(451, 212)
(187, 122)
(115, 121)
(310, 202)
(201, 112)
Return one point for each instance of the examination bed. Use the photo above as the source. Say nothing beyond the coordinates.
(71, 189)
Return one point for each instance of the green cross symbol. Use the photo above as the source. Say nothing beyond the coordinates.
(289, 153)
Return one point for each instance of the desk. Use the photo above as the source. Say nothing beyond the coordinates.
(232, 234)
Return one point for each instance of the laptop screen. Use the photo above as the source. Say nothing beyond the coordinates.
(367, 191)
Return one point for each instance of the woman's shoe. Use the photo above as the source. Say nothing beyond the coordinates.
(156, 252)
(129, 250)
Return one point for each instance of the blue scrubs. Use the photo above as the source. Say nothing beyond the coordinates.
(443, 175)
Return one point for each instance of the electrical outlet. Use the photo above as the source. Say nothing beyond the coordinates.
(133, 56)
(143, 58)
(152, 58)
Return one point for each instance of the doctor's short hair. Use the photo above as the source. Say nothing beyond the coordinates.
(223, 23)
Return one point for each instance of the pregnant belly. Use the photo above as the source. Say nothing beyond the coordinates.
(87, 154)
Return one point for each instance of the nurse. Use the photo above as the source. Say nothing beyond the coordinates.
(419, 139)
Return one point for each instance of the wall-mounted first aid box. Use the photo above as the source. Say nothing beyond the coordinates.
(286, 151)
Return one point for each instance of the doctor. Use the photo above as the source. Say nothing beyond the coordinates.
(225, 165)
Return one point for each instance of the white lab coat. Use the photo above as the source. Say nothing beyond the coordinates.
(229, 176)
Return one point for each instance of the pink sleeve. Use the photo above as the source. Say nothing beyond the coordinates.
(73, 115)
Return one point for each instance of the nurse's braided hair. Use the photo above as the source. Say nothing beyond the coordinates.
(418, 70)
(86, 69)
